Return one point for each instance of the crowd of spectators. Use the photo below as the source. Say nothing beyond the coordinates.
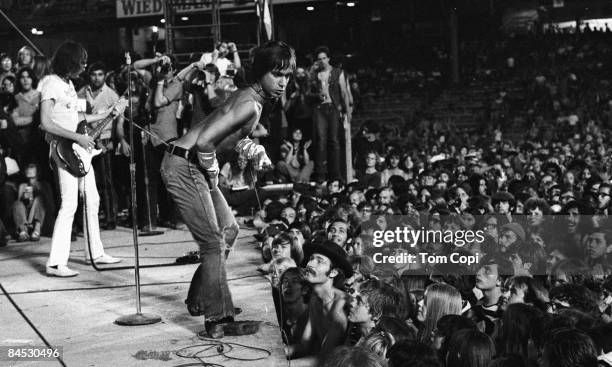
(540, 293)
(540, 290)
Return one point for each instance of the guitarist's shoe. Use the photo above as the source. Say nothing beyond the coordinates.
(61, 271)
(104, 259)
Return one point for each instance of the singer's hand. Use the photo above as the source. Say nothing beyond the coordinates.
(262, 162)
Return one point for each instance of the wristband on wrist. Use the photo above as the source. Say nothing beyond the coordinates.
(248, 148)
(208, 161)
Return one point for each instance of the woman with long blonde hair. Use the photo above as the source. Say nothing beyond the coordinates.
(440, 299)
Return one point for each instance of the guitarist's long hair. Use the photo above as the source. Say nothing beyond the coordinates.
(69, 58)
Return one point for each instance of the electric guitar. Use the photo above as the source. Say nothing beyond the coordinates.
(75, 158)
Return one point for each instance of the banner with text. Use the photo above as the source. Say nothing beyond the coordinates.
(146, 8)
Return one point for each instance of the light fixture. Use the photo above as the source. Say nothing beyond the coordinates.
(154, 29)
(40, 33)
(184, 18)
(350, 4)
(162, 21)
(310, 8)
(34, 31)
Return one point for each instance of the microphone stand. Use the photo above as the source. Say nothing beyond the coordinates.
(138, 318)
(148, 230)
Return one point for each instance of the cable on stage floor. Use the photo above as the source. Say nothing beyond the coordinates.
(216, 348)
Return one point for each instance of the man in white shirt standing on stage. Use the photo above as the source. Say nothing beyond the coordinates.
(60, 116)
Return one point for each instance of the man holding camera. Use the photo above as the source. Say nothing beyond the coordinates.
(329, 90)
(164, 102)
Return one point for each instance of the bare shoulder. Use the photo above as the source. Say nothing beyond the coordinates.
(241, 102)
(340, 300)
(245, 98)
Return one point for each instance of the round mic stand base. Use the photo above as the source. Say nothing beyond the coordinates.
(149, 232)
(138, 319)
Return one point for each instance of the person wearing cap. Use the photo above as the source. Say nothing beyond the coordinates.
(511, 235)
(327, 319)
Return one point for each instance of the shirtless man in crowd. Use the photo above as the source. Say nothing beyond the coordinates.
(327, 318)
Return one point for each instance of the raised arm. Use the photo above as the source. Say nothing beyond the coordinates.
(164, 97)
(234, 49)
(187, 72)
(145, 63)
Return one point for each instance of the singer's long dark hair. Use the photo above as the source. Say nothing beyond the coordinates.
(272, 56)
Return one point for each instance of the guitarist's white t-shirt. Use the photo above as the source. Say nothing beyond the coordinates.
(65, 111)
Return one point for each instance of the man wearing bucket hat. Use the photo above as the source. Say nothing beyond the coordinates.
(327, 318)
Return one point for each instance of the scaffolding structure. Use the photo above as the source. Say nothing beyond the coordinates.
(183, 41)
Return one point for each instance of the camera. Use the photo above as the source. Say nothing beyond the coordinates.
(318, 66)
(164, 68)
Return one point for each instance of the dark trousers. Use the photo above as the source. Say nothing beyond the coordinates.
(160, 200)
(103, 167)
(212, 226)
(326, 120)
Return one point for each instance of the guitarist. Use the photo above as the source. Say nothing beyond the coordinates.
(59, 118)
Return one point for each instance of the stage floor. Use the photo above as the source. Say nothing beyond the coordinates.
(78, 313)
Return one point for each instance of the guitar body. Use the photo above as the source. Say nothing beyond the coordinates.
(75, 158)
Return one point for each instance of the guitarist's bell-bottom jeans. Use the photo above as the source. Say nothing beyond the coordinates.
(69, 188)
(213, 226)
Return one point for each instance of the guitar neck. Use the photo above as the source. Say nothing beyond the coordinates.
(95, 133)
